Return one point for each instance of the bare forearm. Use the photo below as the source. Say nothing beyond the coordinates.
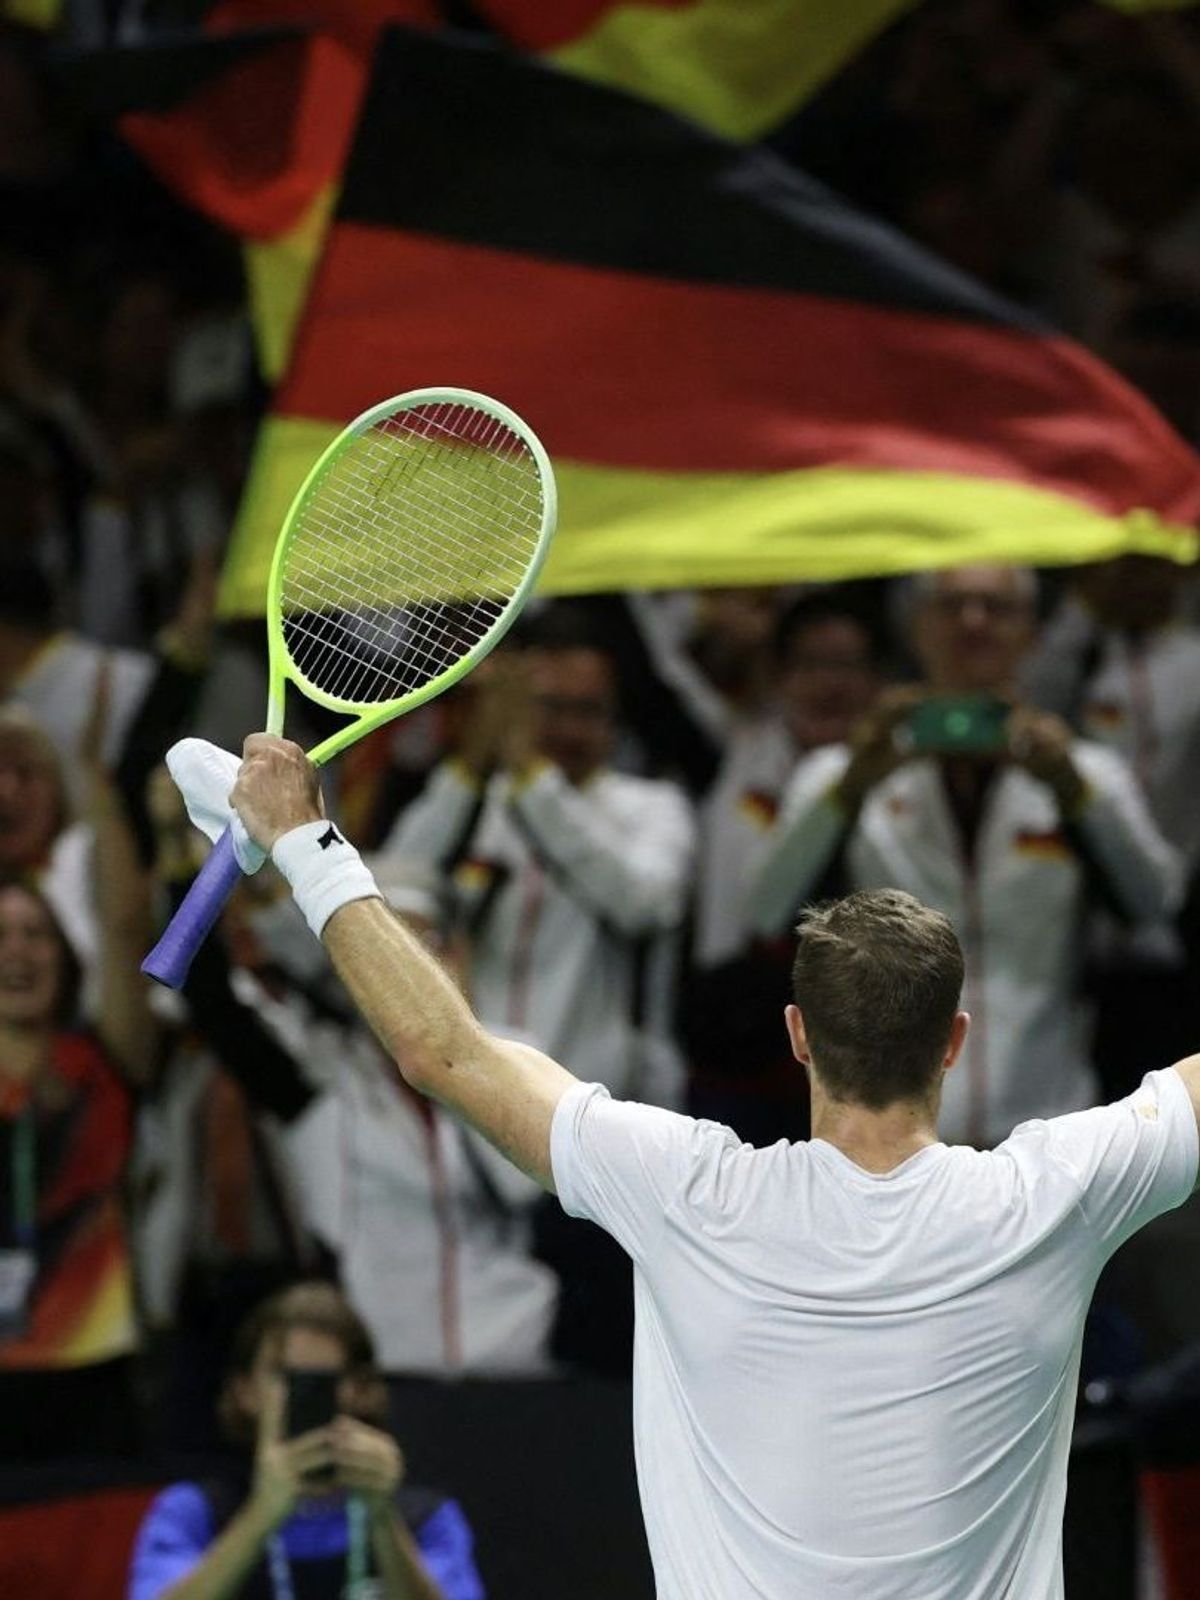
(122, 897)
(508, 1091)
(404, 1573)
(411, 1003)
(228, 1560)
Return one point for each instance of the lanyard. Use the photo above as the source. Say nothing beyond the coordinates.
(280, 1567)
(24, 1180)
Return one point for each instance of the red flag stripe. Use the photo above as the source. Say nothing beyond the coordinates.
(678, 377)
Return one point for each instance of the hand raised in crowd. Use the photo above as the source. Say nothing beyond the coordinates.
(367, 1461)
(498, 729)
(284, 1468)
(875, 751)
(1041, 743)
(93, 735)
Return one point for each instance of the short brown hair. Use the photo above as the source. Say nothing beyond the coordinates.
(878, 977)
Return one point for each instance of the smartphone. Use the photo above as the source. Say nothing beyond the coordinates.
(311, 1400)
(960, 725)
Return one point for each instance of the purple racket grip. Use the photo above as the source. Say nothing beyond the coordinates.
(185, 933)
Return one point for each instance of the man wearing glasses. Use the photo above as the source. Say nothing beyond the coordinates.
(994, 814)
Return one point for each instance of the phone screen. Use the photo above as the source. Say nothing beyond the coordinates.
(968, 725)
(311, 1400)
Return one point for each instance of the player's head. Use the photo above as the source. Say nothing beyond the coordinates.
(972, 626)
(573, 680)
(33, 797)
(310, 1327)
(876, 983)
(39, 973)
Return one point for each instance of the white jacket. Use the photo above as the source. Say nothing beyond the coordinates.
(572, 898)
(431, 1226)
(1019, 911)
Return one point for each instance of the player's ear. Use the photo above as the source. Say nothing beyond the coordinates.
(794, 1021)
(958, 1037)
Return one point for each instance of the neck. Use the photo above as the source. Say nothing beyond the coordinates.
(24, 1052)
(876, 1140)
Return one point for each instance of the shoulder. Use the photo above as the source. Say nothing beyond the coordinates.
(818, 770)
(630, 788)
(182, 1512)
(1100, 765)
(419, 1505)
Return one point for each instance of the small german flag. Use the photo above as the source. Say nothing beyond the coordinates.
(759, 808)
(740, 379)
(1047, 844)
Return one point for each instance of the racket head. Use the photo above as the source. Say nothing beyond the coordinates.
(406, 556)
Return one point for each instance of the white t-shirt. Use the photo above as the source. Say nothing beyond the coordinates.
(861, 1387)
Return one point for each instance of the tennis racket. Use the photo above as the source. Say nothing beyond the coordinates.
(403, 560)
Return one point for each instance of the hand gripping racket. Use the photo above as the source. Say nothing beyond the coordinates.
(403, 560)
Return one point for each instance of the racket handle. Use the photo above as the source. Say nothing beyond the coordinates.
(185, 933)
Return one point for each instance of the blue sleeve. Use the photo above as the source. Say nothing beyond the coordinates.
(175, 1533)
(445, 1541)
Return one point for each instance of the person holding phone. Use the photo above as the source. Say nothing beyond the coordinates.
(322, 1509)
(997, 816)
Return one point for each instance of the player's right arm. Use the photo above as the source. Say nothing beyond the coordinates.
(508, 1091)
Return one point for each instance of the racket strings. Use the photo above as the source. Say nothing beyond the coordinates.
(409, 550)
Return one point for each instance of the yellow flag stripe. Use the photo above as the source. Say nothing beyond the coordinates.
(622, 529)
(278, 273)
(738, 69)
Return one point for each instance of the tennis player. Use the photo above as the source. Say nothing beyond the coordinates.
(856, 1358)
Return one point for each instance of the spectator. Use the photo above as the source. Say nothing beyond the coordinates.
(288, 1137)
(1119, 662)
(53, 672)
(571, 881)
(571, 878)
(67, 1329)
(827, 667)
(322, 1513)
(1012, 842)
(42, 840)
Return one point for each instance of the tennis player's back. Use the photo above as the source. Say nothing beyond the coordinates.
(858, 1385)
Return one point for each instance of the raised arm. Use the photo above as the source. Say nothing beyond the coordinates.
(507, 1091)
(125, 1022)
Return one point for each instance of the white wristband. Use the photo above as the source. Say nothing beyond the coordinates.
(324, 871)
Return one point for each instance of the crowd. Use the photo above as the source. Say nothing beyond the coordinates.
(607, 832)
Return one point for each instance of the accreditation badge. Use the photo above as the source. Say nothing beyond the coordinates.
(18, 1270)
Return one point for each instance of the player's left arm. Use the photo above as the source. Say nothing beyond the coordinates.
(508, 1091)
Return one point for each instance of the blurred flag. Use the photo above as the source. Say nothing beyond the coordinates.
(740, 378)
(260, 150)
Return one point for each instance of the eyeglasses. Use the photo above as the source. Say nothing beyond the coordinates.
(999, 607)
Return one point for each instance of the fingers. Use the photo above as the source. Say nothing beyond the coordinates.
(366, 1458)
(256, 744)
(271, 1409)
(310, 1452)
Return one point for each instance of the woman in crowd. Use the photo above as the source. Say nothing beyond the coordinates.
(67, 1329)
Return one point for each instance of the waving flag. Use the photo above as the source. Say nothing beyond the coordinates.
(260, 149)
(740, 378)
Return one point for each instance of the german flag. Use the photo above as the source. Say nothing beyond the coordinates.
(260, 149)
(740, 379)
